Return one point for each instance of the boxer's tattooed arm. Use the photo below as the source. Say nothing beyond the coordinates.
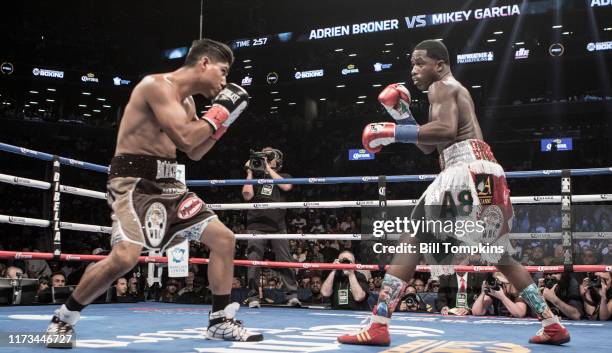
(391, 291)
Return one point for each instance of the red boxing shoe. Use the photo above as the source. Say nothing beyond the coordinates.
(551, 334)
(376, 334)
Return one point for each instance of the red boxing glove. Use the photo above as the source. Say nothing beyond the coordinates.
(376, 135)
(226, 107)
(396, 100)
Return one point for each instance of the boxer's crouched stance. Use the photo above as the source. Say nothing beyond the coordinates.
(151, 207)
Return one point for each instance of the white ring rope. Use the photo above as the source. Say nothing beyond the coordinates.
(37, 184)
(82, 192)
(24, 221)
(516, 200)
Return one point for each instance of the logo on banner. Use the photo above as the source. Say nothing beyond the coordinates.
(309, 74)
(350, 69)
(563, 144)
(178, 259)
(156, 219)
(178, 255)
(47, 73)
(380, 66)
(118, 81)
(90, 77)
(521, 54)
(360, 155)
(272, 78)
(474, 57)
(7, 68)
(598, 46)
(246, 81)
(556, 49)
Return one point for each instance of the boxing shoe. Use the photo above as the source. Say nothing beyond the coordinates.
(223, 326)
(551, 333)
(59, 334)
(375, 334)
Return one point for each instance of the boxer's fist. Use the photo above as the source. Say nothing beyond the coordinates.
(226, 107)
(376, 135)
(396, 100)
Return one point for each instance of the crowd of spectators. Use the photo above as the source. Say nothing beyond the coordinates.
(574, 295)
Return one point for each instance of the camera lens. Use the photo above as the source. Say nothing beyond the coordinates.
(345, 261)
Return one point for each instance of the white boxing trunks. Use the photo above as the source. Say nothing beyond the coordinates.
(474, 185)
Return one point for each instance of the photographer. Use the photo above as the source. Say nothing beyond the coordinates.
(502, 296)
(266, 165)
(596, 292)
(561, 291)
(348, 289)
(411, 301)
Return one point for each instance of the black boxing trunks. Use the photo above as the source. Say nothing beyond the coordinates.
(150, 206)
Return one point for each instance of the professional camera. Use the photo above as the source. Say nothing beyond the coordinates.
(550, 282)
(594, 281)
(493, 284)
(345, 261)
(257, 160)
(411, 300)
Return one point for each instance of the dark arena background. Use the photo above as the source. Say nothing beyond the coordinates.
(539, 74)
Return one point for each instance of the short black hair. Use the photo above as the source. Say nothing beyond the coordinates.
(216, 51)
(435, 49)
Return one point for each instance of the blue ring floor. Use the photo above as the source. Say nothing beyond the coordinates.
(158, 327)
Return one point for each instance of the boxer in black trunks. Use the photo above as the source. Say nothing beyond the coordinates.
(151, 206)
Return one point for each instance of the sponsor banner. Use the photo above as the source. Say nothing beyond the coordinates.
(522, 53)
(563, 144)
(7, 68)
(350, 69)
(246, 81)
(360, 155)
(475, 57)
(118, 81)
(299, 75)
(272, 78)
(47, 73)
(90, 77)
(599, 46)
(178, 259)
(380, 66)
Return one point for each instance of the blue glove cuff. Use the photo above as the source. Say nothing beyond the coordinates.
(406, 133)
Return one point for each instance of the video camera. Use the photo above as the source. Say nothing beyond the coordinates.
(257, 160)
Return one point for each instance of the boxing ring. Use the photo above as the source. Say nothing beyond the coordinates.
(151, 326)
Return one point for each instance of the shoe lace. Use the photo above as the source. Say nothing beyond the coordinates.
(61, 326)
